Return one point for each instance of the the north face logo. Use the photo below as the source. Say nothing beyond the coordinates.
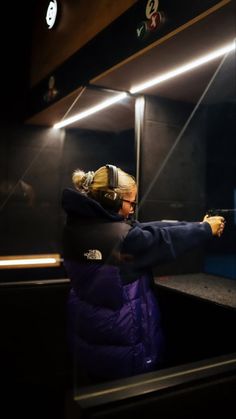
(93, 254)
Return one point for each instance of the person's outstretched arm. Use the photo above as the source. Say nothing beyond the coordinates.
(149, 244)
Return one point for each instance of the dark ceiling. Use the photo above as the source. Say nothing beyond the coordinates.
(16, 31)
(200, 38)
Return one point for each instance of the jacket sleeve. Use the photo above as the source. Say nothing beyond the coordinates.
(149, 244)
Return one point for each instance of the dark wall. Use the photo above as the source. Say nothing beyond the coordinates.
(88, 150)
(194, 328)
(188, 166)
(172, 184)
(29, 190)
(16, 37)
(173, 160)
(35, 165)
(220, 136)
(221, 167)
(36, 369)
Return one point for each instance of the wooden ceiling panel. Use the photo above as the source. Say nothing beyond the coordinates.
(79, 21)
(193, 40)
(116, 118)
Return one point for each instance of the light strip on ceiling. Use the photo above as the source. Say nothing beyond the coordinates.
(140, 87)
(29, 261)
(184, 68)
(91, 111)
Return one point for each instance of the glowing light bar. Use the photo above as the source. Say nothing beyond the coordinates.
(184, 68)
(29, 261)
(90, 111)
(41, 261)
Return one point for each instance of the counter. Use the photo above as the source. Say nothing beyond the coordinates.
(212, 288)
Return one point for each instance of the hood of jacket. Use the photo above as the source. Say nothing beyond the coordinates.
(78, 204)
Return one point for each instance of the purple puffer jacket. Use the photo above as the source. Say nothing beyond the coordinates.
(114, 317)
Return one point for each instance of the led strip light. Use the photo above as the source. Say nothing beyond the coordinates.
(143, 86)
(184, 68)
(91, 111)
(29, 261)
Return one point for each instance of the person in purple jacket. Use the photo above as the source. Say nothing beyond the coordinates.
(114, 319)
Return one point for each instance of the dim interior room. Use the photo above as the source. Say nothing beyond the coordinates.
(176, 135)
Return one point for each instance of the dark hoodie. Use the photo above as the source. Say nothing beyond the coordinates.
(114, 316)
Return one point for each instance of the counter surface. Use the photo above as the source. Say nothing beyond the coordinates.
(208, 287)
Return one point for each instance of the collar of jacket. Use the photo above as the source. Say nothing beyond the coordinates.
(76, 203)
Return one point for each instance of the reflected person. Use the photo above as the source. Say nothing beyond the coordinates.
(114, 318)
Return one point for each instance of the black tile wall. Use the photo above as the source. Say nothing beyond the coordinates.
(172, 159)
(173, 165)
(35, 166)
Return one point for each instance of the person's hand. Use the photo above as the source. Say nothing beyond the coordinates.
(217, 224)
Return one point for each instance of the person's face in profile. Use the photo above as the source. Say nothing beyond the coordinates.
(128, 203)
